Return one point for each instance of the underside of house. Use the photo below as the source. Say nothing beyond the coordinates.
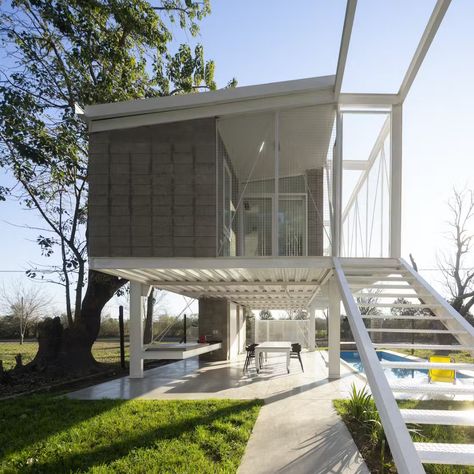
(249, 199)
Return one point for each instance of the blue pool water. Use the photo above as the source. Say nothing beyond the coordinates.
(419, 375)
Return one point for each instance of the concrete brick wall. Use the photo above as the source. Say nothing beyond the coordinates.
(222, 319)
(152, 191)
(314, 179)
(214, 322)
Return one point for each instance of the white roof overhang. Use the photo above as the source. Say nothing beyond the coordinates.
(304, 139)
(265, 282)
(248, 99)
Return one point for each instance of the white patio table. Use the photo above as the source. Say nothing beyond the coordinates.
(273, 346)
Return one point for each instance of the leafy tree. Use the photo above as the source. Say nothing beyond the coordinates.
(296, 314)
(59, 54)
(265, 315)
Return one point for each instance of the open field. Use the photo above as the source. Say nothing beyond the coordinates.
(46, 434)
(104, 351)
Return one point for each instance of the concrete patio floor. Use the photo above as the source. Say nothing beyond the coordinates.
(297, 431)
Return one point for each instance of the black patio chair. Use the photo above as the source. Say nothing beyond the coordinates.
(250, 355)
(296, 353)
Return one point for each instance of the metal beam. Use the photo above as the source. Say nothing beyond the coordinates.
(423, 46)
(375, 101)
(136, 329)
(395, 196)
(334, 331)
(355, 165)
(344, 48)
(221, 294)
(337, 188)
(207, 284)
(205, 263)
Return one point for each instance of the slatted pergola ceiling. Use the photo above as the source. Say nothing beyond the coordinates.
(289, 284)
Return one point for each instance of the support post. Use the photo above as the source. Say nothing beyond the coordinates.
(312, 329)
(396, 182)
(334, 330)
(136, 330)
(122, 338)
(337, 188)
(185, 339)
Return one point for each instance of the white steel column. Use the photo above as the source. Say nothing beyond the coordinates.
(334, 330)
(395, 181)
(337, 188)
(136, 330)
(312, 328)
(276, 200)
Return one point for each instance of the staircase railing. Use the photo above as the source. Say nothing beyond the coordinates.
(403, 450)
(433, 295)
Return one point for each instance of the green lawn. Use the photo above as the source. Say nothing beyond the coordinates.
(370, 447)
(43, 434)
(458, 356)
(104, 351)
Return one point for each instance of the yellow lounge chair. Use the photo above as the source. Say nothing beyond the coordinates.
(441, 375)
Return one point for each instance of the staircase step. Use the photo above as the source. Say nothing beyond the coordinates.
(439, 417)
(371, 304)
(427, 365)
(416, 331)
(407, 296)
(375, 278)
(446, 453)
(418, 317)
(430, 388)
(381, 287)
(433, 347)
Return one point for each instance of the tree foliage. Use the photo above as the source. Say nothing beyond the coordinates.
(61, 54)
(265, 315)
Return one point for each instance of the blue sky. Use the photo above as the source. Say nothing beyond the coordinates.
(266, 41)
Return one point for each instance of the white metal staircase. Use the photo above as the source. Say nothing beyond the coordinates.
(373, 284)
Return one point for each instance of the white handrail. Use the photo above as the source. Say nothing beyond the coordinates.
(438, 298)
(401, 445)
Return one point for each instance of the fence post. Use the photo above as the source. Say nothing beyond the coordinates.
(122, 338)
(184, 329)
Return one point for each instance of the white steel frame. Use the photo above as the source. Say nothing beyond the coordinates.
(225, 275)
(332, 276)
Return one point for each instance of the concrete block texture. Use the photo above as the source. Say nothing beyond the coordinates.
(214, 316)
(152, 191)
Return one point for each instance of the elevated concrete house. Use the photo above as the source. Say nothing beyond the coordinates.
(248, 198)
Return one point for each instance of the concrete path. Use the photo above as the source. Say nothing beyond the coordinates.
(300, 434)
(297, 430)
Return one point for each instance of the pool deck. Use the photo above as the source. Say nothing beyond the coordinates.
(297, 430)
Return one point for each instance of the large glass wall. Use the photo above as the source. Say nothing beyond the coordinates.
(272, 182)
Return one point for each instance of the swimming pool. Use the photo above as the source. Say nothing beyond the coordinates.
(417, 375)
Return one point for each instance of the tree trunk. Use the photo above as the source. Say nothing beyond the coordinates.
(70, 350)
(148, 331)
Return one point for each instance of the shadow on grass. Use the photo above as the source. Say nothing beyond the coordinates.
(29, 420)
(121, 444)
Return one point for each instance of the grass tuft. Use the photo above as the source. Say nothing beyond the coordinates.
(358, 414)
